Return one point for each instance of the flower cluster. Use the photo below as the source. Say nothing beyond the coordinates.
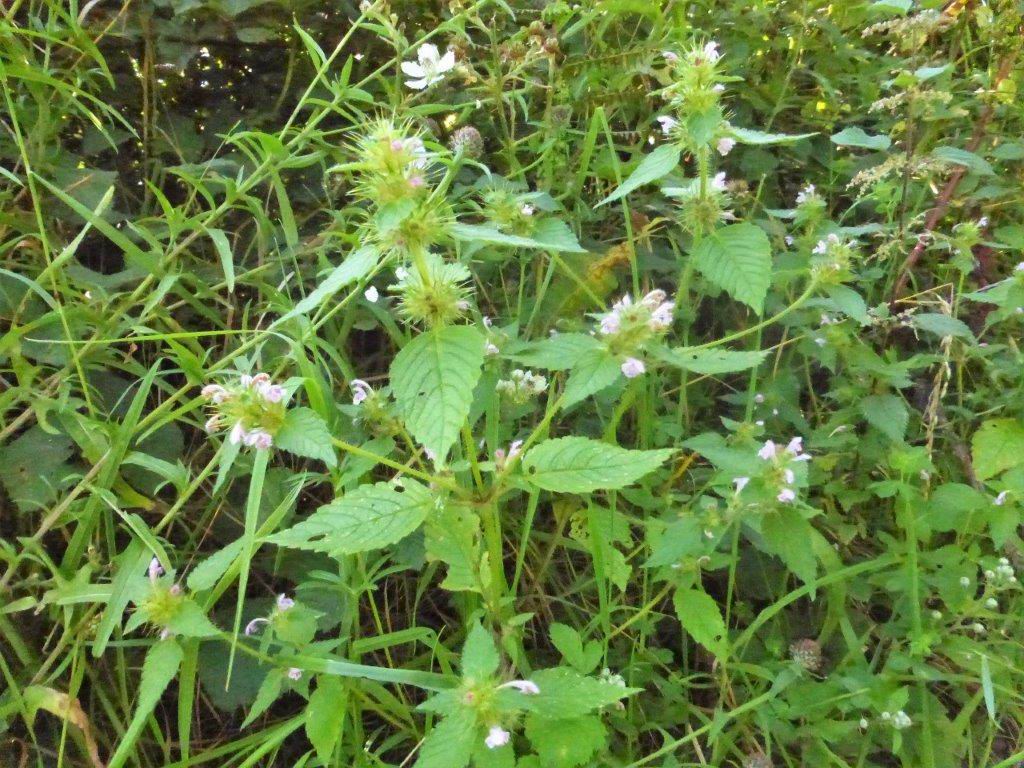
(283, 604)
(162, 603)
(899, 720)
(1002, 575)
(806, 653)
(433, 292)
(467, 141)
(781, 459)
(502, 457)
(252, 409)
(833, 258)
(522, 386)
(632, 324)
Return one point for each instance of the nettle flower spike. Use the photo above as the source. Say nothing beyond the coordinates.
(630, 325)
(785, 477)
(253, 410)
(522, 386)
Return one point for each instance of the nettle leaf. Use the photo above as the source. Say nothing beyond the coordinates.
(760, 138)
(565, 743)
(355, 267)
(942, 325)
(710, 362)
(370, 517)
(556, 353)
(737, 258)
(594, 371)
(956, 156)
(569, 643)
(451, 536)
(206, 574)
(886, 413)
(550, 235)
(304, 433)
(450, 744)
(432, 378)
(701, 618)
(788, 536)
(660, 162)
(479, 656)
(998, 445)
(580, 465)
(566, 693)
(325, 715)
(855, 136)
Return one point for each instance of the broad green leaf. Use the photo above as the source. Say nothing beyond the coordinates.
(788, 535)
(580, 465)
(450, 744)
(701, 618)
(886, 413)
(855, 136)
(942, 325)
(737, 258)
(556, 353)
(710, 362)
(33, 468)
(370, 517)
(957, 156)
(325, 715)
(660, 162)
(268, 692)
(594, 371)
(566, 693)
(479, 656)
(159, 668)
(304, 433)
(549, 235)
(566, 742)
(355, 267)
(206, 574)
(759, 138)
(998, 445)
(432, 378)
(451, 536)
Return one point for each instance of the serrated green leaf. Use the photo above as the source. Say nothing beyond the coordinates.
(556, 353)
(942, 325)
(432, 378)
(325, 715)
(594, 371)
(998, 445)
(759, 138)
(566, 693)
(737, 258)
(580, 465)
(159, 668)
(711, 362)
(549, 235)
(788, 535)
(701, 618)
(886, 413)
(479, 656)
(205, 574)
(660, 162)
(565, 743)
(450, 744)
(304, 433)
(370, 517)
(855, 136)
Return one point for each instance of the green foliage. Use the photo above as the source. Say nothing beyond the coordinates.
(497, 384)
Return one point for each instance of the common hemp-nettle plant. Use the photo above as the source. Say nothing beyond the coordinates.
(516, 384)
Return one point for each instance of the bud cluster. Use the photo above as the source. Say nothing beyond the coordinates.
(522, 386)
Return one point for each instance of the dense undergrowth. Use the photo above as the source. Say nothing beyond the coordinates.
(621, 383)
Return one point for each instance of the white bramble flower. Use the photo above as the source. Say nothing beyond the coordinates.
(526, 687)
(725, 145)
(429, 68)
(522, 385)
(964, 581)
(497, 737)
(491, 349)
(633, 367)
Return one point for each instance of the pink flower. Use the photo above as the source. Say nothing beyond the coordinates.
(238, 433)
(215, 393)
(768, 450)
(155, 570)
(294, 673)
(725, 145)
(711, 52)
(786, 495)
(360, 391)
(632, 367)
(284, 602)
(259, 439)
(253, 626)
(667, 123)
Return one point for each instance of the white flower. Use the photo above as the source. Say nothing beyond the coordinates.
(863, 723)
(527, 210)
(429, 68)
(768, 450)
(632, 367)
(253, 626)
(992, 603)
(711, 52)
(610, 323)
(497, 737)
(788, 239)
(717, 87)
(360, 391)
(491, 349)
(238, 433)
(155, 570)
(795, 449)
(805, 194)
(901, 720)
(212, 424)
(983, 222)
(740, 483)
(823, 245)
(215, 393)
(788, 475)
(667, 123)
(272, 393)
(372, 294)
(401, 273)
(284, 602)
(294, 673)
(1000, 499)
(725, 145)
(258, 439)
(786, 495)
(527, 687)
(670, 56)
(718, 182)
